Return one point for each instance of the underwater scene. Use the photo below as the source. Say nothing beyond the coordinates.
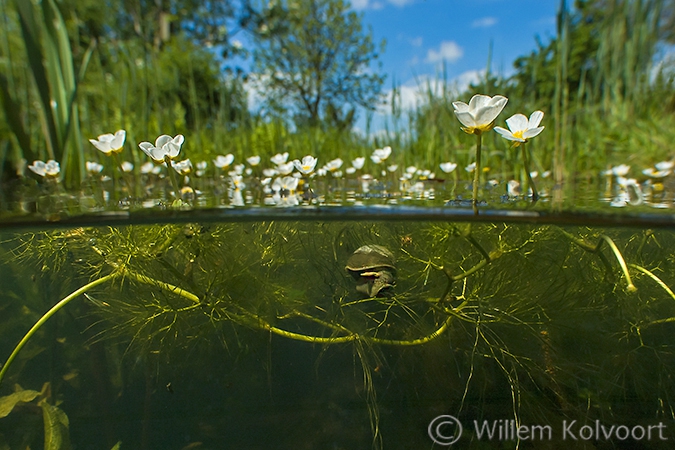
(337, 335)
(242, 224)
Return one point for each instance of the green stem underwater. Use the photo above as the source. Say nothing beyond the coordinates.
(49, 314)
(526, 163)
(172, 176)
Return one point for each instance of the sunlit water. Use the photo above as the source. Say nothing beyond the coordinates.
(212, 325)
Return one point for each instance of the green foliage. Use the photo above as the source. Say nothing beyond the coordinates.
(47, 49)
(55, 421)
(315, 67)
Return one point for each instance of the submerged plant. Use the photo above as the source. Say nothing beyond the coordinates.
(379, 288)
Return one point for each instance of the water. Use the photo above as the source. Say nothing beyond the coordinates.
(242, 327)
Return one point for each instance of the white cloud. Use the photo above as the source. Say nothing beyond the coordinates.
(416, 42)
(401, 2)
(484, 22)
(375, 4)
(416, 92)
(448, 51)
(462, 81)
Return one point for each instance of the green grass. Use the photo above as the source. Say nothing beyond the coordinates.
(612, 114)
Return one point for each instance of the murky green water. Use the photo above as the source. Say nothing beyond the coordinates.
(253, 335)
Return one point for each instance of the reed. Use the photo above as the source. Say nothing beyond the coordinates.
(598, 113)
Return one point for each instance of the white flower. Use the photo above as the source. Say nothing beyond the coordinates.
(471, 167)
(237, 182)
(165, 146)
(253, 160)
(621, 170)
(448, 167)
(664, 165)
(236, 198)
(202, 165)
(285, 184)
(285, 200)
(630, 186)
(109, 143)
(513, 188)
(222, 162)
(93, 167)
(270, 172)
(333, 165)
(656, 173)
(239, 168)
(411, 170)
(285, 168)
(350, 170)
(279, 158)
(50, 169)
(183, 167)
(392, 168)
(307, 165)
(127, 166)
(520, 128)
(479, 115)
(149, 167)
(380, 154)
(359, 162)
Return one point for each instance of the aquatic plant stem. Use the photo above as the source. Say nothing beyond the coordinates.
(596, 249)
(166, 286)
(172, 176)
(631, 287)
(526, 163)
(49, 314)
(655, 278)
(476, 174)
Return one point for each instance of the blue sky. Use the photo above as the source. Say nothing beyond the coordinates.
(421, 34)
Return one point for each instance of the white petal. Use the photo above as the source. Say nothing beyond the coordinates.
(178, 140)
(506, 134)
(517, 122)
(532, 132)
(503, 131)
(162, 140)
(460, 107)
(488, 114)
(171, 149)
(103, 146)
(479, 101)
(535, 119)
(466, 118)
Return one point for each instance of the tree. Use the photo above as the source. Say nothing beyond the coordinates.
(313, 61)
